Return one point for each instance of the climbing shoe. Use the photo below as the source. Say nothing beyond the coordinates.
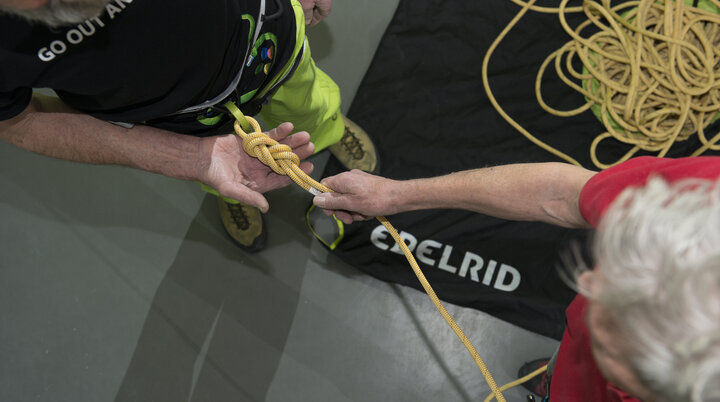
(244, 224)
(355, 150)
(538, 385)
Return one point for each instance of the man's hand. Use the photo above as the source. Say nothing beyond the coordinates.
(50, 128)
(237, 175)
(315, 10)
(359, 196)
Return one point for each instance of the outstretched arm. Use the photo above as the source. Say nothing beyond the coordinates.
(544, 192)
(50, 128)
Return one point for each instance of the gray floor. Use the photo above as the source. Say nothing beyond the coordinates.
(119, 285)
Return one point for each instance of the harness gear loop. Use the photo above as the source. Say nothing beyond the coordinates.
(340, 226)
(275, 155)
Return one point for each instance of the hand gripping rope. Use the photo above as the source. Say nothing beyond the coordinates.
(283, 161)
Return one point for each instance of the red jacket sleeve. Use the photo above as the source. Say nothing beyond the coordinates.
(602, 189)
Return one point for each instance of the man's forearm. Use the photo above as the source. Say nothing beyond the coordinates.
(546, 192)
(49, 128)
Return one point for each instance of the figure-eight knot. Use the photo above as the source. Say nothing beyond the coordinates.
(279, 157)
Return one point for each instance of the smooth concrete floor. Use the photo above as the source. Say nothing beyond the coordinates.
(120, 285)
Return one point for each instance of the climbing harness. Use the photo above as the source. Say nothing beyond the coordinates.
(210, 111)
(651, 72)
(283, 161)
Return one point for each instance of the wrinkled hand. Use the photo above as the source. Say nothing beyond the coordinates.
(358, 196)
(315, 10)
(237, 175)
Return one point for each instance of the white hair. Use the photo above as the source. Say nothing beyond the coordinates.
(57, 13)
(659, 251)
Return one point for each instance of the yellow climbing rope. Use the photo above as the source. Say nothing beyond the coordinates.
(651, 72)
(519, 381)
(283, 161)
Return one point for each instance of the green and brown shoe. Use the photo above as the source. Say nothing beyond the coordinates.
(355, 150)
(244, 224)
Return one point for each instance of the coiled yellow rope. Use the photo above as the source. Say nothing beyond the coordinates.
(283, 161)
(651, 72)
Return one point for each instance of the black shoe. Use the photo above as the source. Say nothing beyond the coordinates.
(355, 150)
(244, 224)
(537, 385)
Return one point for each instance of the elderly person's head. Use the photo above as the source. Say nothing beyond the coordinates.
(654, 312)
(54, 13)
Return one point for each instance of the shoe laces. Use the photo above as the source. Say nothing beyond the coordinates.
(352, 144)
(238, 215)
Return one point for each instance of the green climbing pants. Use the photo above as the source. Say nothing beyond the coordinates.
(309, 99)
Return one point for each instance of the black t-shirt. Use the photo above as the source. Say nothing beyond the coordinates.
(145, 59)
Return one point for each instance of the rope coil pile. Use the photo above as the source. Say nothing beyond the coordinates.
(650, 72)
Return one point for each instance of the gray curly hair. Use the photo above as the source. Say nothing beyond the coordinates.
(659, 250)
(57, 13)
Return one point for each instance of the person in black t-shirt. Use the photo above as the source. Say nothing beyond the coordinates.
(143, 84)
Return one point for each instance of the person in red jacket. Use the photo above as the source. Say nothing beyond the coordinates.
(646, 322)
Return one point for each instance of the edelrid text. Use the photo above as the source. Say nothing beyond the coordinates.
(498, 275)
